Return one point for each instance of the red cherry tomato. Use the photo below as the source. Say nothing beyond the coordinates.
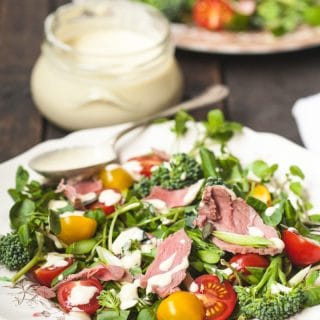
(147, 162)
(300, 250)
(108, 207)
(64, 293)
(212, 14)
(240, 262)
(44, 276)
(218, 298)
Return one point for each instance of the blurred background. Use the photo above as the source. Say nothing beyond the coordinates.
(263, 87)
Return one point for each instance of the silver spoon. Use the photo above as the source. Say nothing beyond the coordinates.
(56, 164)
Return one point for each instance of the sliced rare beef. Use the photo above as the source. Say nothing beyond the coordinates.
(216, 201)
(73, 191)
(227, 213)
(100, 272)
(168, 269)
(175, 198)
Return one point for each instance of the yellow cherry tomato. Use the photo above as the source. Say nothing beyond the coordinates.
(116, 178)
(181, 305)
(262, 193)
(76, 228)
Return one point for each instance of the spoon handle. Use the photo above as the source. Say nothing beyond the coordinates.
(211, 95)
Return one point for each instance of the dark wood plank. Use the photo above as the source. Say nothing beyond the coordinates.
(264, 89)
(200, 71)
(21, 33)
(21, 29)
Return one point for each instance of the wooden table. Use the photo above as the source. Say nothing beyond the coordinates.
(263, 88)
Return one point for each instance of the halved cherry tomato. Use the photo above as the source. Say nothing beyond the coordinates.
(116, 178)
(147, 162)
(44, 276)
(218, 298)
(240, 262)
(261, 193)
(300, 250)
(76, 228)
(180, 305)
(106, 209)
(212, 14)
(65, 291)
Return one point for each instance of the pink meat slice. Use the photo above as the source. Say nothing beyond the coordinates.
(45, 292)
(73, 190)
(234, 216)
(216, 201)
(175, 198)
(178, 246)
(100, 272)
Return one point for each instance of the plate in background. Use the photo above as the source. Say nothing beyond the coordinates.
(193, 38)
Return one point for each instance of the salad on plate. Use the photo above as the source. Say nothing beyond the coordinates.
(192, 235)
(277, 16)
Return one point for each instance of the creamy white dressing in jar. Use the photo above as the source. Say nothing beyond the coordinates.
(105, 62)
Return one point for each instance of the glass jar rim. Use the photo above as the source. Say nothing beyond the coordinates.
(62, 46)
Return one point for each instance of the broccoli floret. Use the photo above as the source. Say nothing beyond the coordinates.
(142, 188)
(13, 254)
(17, 257)
(263, 302)
(180, 172)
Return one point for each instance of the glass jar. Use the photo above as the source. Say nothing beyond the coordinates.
(105, 62)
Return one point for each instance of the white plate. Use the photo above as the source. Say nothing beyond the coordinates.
(22, 302)
(193, 38)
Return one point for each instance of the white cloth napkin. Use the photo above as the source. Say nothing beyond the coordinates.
(306, 112)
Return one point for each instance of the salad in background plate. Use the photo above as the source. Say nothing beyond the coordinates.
(197, 233)
(277, 16)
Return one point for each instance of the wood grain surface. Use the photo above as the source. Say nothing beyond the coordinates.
(263, 88)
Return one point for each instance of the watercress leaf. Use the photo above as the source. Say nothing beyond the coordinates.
(197, 265)
(276, 217)
(215, 120)
(255, 274)
(296, 171)
(312, 296)
(296, 188)
(290, 214)
(68, 208)
(257, 204)
(97, 215)
(209, 256)
(312, 278)
(63, 275)
(180, 123)
(207, 231)
(54, 222)
(113, 315)
(21, 212)
(81, 247)
(147, 314)
(22, 177)
(208, 163)
(15, 195)
(314, 218)
(261, 169)
(24, 234)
